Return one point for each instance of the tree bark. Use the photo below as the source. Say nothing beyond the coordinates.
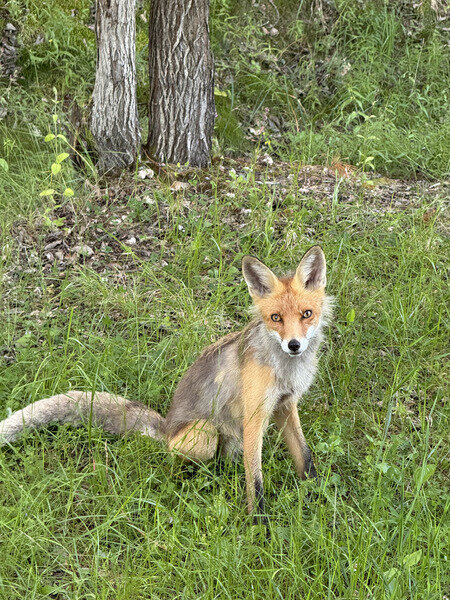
(181, 67)
(115, 124)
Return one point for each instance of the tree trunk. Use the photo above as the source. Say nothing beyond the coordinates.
(181, 66)
(115, 124)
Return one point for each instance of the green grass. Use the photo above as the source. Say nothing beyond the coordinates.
(86, 515)
(365, 85)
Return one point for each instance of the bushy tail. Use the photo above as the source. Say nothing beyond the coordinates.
(113, 413)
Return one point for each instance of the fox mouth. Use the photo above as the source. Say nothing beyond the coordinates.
(296, 349)
(302, 344)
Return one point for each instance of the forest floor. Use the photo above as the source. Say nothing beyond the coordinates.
(121, 285)
(120, 223)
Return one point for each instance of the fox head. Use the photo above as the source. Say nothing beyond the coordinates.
(290, 307)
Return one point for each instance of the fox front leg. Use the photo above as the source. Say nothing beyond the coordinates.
(256, 382)
(253, 438)
(288, 422)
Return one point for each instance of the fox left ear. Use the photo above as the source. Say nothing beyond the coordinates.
(312, 270)
(259, 278)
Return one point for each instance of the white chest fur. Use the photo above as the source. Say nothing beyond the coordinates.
(293, 374)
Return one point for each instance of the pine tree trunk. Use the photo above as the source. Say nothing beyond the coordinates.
(181, 66)
(115, 124)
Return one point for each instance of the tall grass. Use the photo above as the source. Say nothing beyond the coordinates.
(86, 515)
(368, 84)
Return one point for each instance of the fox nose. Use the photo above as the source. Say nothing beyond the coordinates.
(294, 345)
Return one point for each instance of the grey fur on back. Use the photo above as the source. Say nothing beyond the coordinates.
(114, 413)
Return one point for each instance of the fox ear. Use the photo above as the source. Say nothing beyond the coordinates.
(259, 278)
(312, 271)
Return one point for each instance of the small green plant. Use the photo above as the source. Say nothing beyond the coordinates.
(60, 170)
(58, 174)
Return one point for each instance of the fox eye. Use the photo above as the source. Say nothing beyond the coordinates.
(306, 314)
(275, 317)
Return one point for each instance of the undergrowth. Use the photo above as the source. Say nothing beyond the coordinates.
(359, 83)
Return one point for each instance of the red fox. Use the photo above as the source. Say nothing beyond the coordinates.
(226, 399)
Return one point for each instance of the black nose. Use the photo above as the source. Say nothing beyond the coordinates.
(294, 345)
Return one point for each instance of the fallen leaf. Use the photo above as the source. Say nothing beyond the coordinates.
(179, 185)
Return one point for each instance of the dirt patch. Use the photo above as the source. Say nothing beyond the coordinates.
(116, 227)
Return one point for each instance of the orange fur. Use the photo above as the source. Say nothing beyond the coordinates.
(256, 380)
(195, 441)
(290, 300)
(288, 422)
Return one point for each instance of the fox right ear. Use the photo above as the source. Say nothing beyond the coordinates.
(259, 278)
(312, 270)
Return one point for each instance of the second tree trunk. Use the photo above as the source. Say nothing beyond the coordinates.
(181, 105)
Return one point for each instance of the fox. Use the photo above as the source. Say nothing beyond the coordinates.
(225, 401)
